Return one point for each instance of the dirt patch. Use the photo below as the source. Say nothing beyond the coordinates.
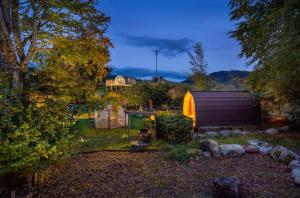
(124, 174)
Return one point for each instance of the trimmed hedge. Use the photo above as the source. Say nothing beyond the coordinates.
(174, 128)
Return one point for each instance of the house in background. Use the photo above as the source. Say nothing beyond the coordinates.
(115, 82)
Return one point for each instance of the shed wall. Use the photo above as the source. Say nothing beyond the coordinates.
(226, 109)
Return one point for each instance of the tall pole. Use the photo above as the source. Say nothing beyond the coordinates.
(156, 54)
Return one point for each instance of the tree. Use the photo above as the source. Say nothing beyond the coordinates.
(268, 32)
(67, 72)
(64, 41)
(198, 66)
(28, 27)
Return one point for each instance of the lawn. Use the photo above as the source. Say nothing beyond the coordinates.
(290, 140)
(92, 139)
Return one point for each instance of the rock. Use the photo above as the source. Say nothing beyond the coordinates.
(251, 148)
(210, 146)
(198, 136)
(244, 132)
(231, 150)
(297, 181)
(283, 154)
(207, 155)
(295, 164)
(227, 187)
(295, 173)
(285, 128)
(225, 133)
(276, 152)
(272, 131)
(287, 156)
(236, 132)
(263, 147)
(211, 134)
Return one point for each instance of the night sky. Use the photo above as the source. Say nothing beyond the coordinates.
(138, 27)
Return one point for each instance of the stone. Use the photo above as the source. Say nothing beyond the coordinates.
(236, 132)
(210, 146)
(263, 147)
(211, 134)
(244, 132)
(251, 148)
(272, 131)
(297, 181)
(231, 150)
(285, 128)
(287, 156)
(295, 173)
(227, 187)
(225, 133)
(276, 152)
(295, 164)
(207, 155)
(198, 136)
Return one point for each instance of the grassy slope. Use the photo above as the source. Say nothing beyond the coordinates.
(105, 139)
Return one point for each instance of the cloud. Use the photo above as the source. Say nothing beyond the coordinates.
(165, 46)
(144, 73)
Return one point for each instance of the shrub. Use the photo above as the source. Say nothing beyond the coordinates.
(179, 153)
(174, 128)
(31, 137)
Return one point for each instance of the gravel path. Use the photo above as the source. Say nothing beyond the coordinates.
(148, 174)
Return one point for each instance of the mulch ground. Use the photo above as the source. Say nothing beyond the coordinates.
(149, 174)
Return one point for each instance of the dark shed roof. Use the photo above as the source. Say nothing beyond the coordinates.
(226, 108)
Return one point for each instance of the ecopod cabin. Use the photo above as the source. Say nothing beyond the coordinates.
(222, 108)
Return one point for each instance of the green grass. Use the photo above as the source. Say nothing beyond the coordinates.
(290, 140)
(105, 139)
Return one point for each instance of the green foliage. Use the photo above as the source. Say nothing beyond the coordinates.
(174, 128)
(32, 137)
(268, 33)
(136, 96)
(178, 152)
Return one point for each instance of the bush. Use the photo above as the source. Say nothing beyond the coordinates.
(174, 128)
(178, 153)
(31, 137)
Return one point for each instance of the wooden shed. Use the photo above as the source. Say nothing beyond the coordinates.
(222, 108)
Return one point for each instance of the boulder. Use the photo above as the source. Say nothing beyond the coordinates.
(236, 132)
(297, 181)
(263, 147)
(211, 134)
(251, 148)
(276, 152)
(283, 154)
(287, 156)
(244, 132)
(210, 146)
(272, 131)
(207, 155)
(198, 136)
(295, 164)
(225, 133)
(231, 150)
(227, 187)
(285, 128)
(295, 173)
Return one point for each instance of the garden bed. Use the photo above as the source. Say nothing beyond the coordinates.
(149, 174)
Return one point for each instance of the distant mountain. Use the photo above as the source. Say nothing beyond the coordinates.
(145, 74)
(227, 76)
(225, 80)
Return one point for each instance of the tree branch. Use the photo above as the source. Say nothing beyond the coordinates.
(16, 30)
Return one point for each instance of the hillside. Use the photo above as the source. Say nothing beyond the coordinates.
(225, 80)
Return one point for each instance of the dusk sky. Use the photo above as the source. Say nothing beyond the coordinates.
(138, 27)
